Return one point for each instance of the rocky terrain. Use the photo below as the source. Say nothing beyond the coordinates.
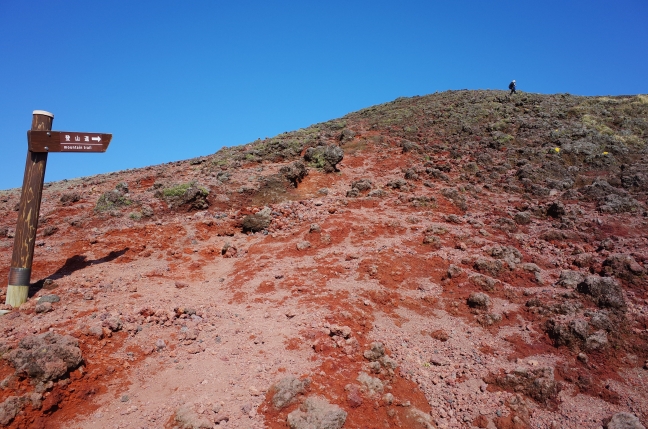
(462, 259)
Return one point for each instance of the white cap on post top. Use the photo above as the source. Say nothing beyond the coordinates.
(43, 112)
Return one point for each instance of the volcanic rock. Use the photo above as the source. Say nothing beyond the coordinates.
(46, 357)
(317, 413)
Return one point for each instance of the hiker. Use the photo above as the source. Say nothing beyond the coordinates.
(512, 87)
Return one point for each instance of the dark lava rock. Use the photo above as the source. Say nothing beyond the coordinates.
(539, 383)
(572, 334)
(623, 266)
(409, 146)
(613, 203)
(324, 157)
(72, 197)
(479, 300)
(376, 352)
(359, 186)
(583, 260)
(493, 267)
(605, 291)
(347, 135)
(522, 218)
(599, 190)
(258, 221)
(556, 210)
(484, 282)
(601, 320)
(46, 357)
(457, 199)
(294, 172)
(570, 279)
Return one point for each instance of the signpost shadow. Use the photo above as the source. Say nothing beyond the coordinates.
(75, 263)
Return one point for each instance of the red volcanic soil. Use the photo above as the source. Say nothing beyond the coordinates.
(212, 318)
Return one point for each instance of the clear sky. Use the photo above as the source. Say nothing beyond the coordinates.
(172, 80)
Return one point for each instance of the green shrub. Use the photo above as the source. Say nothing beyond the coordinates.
(177, 190)
(112, 200)
(135, 215)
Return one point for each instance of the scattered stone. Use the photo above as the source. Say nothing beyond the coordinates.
(522, 218)
(623, 266)
(373, 385)
(294, 172)
(377, 193)
(70, 198)
(570, 279)
(95, 331)
(417, 419)
(605, 291)
(160, 344)
(571, 335)
(556, 210)
(479, 300)
(454, 271)
(508, 254)
(489, 319)
(10, 408)
(46, 357)
(354, 397)
(258, 221)
(484, 282)
(315, 228)
(229, 251)
(181, 285)
(113, 323)
(453, 218)
(49, 298)
(596, 341)
(539, 383)
(455, 197)
(43, 307)
(623, 421)
(341, 331)
(376, 352)
(189, 419)
(303, 245)
(493, 267)
(440, 335)
(285, 391)
(317, 413)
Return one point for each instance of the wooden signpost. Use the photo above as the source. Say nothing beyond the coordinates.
(41, 140)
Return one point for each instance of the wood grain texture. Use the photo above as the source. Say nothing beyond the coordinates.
(29, 208)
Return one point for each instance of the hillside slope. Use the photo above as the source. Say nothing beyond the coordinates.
(462, 259)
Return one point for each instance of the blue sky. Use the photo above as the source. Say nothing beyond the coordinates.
(173, 80)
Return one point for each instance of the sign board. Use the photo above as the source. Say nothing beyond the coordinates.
(67, 141)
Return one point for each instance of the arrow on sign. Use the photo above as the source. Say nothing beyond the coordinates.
(97, 138)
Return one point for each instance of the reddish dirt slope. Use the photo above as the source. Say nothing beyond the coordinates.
(211, 318)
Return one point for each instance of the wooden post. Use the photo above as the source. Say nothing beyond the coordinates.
(30, 201)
